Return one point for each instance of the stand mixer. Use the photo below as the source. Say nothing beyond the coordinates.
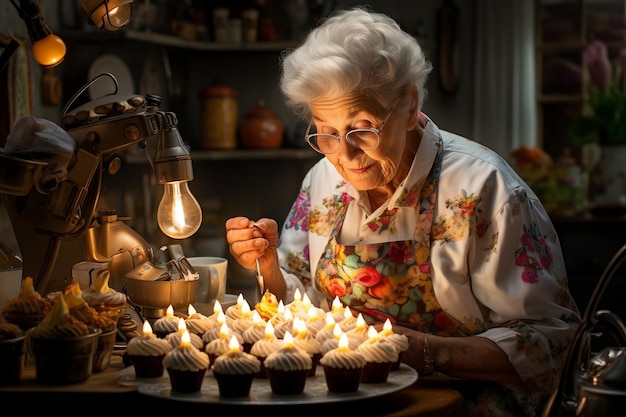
(47, 218)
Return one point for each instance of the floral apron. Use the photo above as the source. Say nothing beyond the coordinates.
(390, 280)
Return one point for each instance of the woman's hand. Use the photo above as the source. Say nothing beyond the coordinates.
(248, 241)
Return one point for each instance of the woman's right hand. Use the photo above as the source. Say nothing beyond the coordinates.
(249, 240)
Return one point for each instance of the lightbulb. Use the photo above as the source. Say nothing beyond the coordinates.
(108, 14)
(179, 214)
(49, 51)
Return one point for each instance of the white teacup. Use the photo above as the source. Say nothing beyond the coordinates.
(212, 274)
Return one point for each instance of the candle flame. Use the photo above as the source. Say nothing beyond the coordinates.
(224, 330)
(343, 341)
(170, 311)
(240, 300)
(256, 317)
(337, 332)
(360, 322)
(233, 345)
(182, 326)
(336, 306)
(372, 332)
(288, 340)
(217, 308)
(147, 329)
(329, 320)
(281, 307)
(191, 310)
(296, 295)
(185, 339)
(269, 329)
(221, 318)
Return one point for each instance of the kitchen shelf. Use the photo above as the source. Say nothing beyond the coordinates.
(162, 39)
(238, 154)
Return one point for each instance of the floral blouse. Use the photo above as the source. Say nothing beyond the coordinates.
(463, 247)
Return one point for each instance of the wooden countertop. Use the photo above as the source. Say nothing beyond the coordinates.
(427, 397)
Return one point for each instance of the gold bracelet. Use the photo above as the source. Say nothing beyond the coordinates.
(429, 362)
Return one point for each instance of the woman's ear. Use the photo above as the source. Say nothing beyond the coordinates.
(412, 121)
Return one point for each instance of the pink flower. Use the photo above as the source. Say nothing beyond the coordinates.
(598, 63)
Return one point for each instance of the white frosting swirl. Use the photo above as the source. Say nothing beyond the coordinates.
(344, 358)
(289, 358)
(236, 362)
(186, 358)
(147, 345)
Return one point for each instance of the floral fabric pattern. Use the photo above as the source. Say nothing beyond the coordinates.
(472, 255)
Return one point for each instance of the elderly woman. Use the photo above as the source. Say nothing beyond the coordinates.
(405, 221)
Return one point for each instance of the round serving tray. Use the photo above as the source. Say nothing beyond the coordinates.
(315, 390)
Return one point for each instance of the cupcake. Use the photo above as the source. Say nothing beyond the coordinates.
(12, 350)
(214, 332)
(107, 301)
(263, 347)
(146, 353)
(239, 309)
(358, 334)
(288, 368)
(303, 339)
(379, 356)
(166, 324)
(327, 331)
(400, 341)
(63, 347)
(343, 367)
(253, 331)
(234, 371)
(186, 366)
(220, 345)
(174, 338)
(29, 308)
(197, 323)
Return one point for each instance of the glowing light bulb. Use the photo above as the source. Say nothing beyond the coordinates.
(179, 214)
(49, 51)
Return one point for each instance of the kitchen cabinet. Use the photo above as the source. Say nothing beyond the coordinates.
(562, 30)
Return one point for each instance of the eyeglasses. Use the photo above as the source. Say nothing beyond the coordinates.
(364, 139)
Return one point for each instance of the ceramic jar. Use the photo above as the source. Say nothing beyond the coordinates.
(261, 128)
(219, 117)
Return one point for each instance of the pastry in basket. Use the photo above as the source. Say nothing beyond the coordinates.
(106, 300)
(29, 308)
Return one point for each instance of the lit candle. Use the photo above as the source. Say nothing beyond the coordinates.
(288, 340)
(240, 300)
(147, 329)
(296, 295)
(306, 301)
(170, 311)
(281, 307)
(221, 318)
(182, 326)
(360, 323)
(191, 310)
(387, 328)
(336, 306)
(256, 317)
(224, 330)
(329, 320)
(185, 340)
(217, 308)
(343, 342)
(233, 345)
(347, 314)
(269, 331)
(299, 328)
(337, 332)
(245, 307)
(372, 333)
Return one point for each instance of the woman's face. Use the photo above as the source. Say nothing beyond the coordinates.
(365, 170)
